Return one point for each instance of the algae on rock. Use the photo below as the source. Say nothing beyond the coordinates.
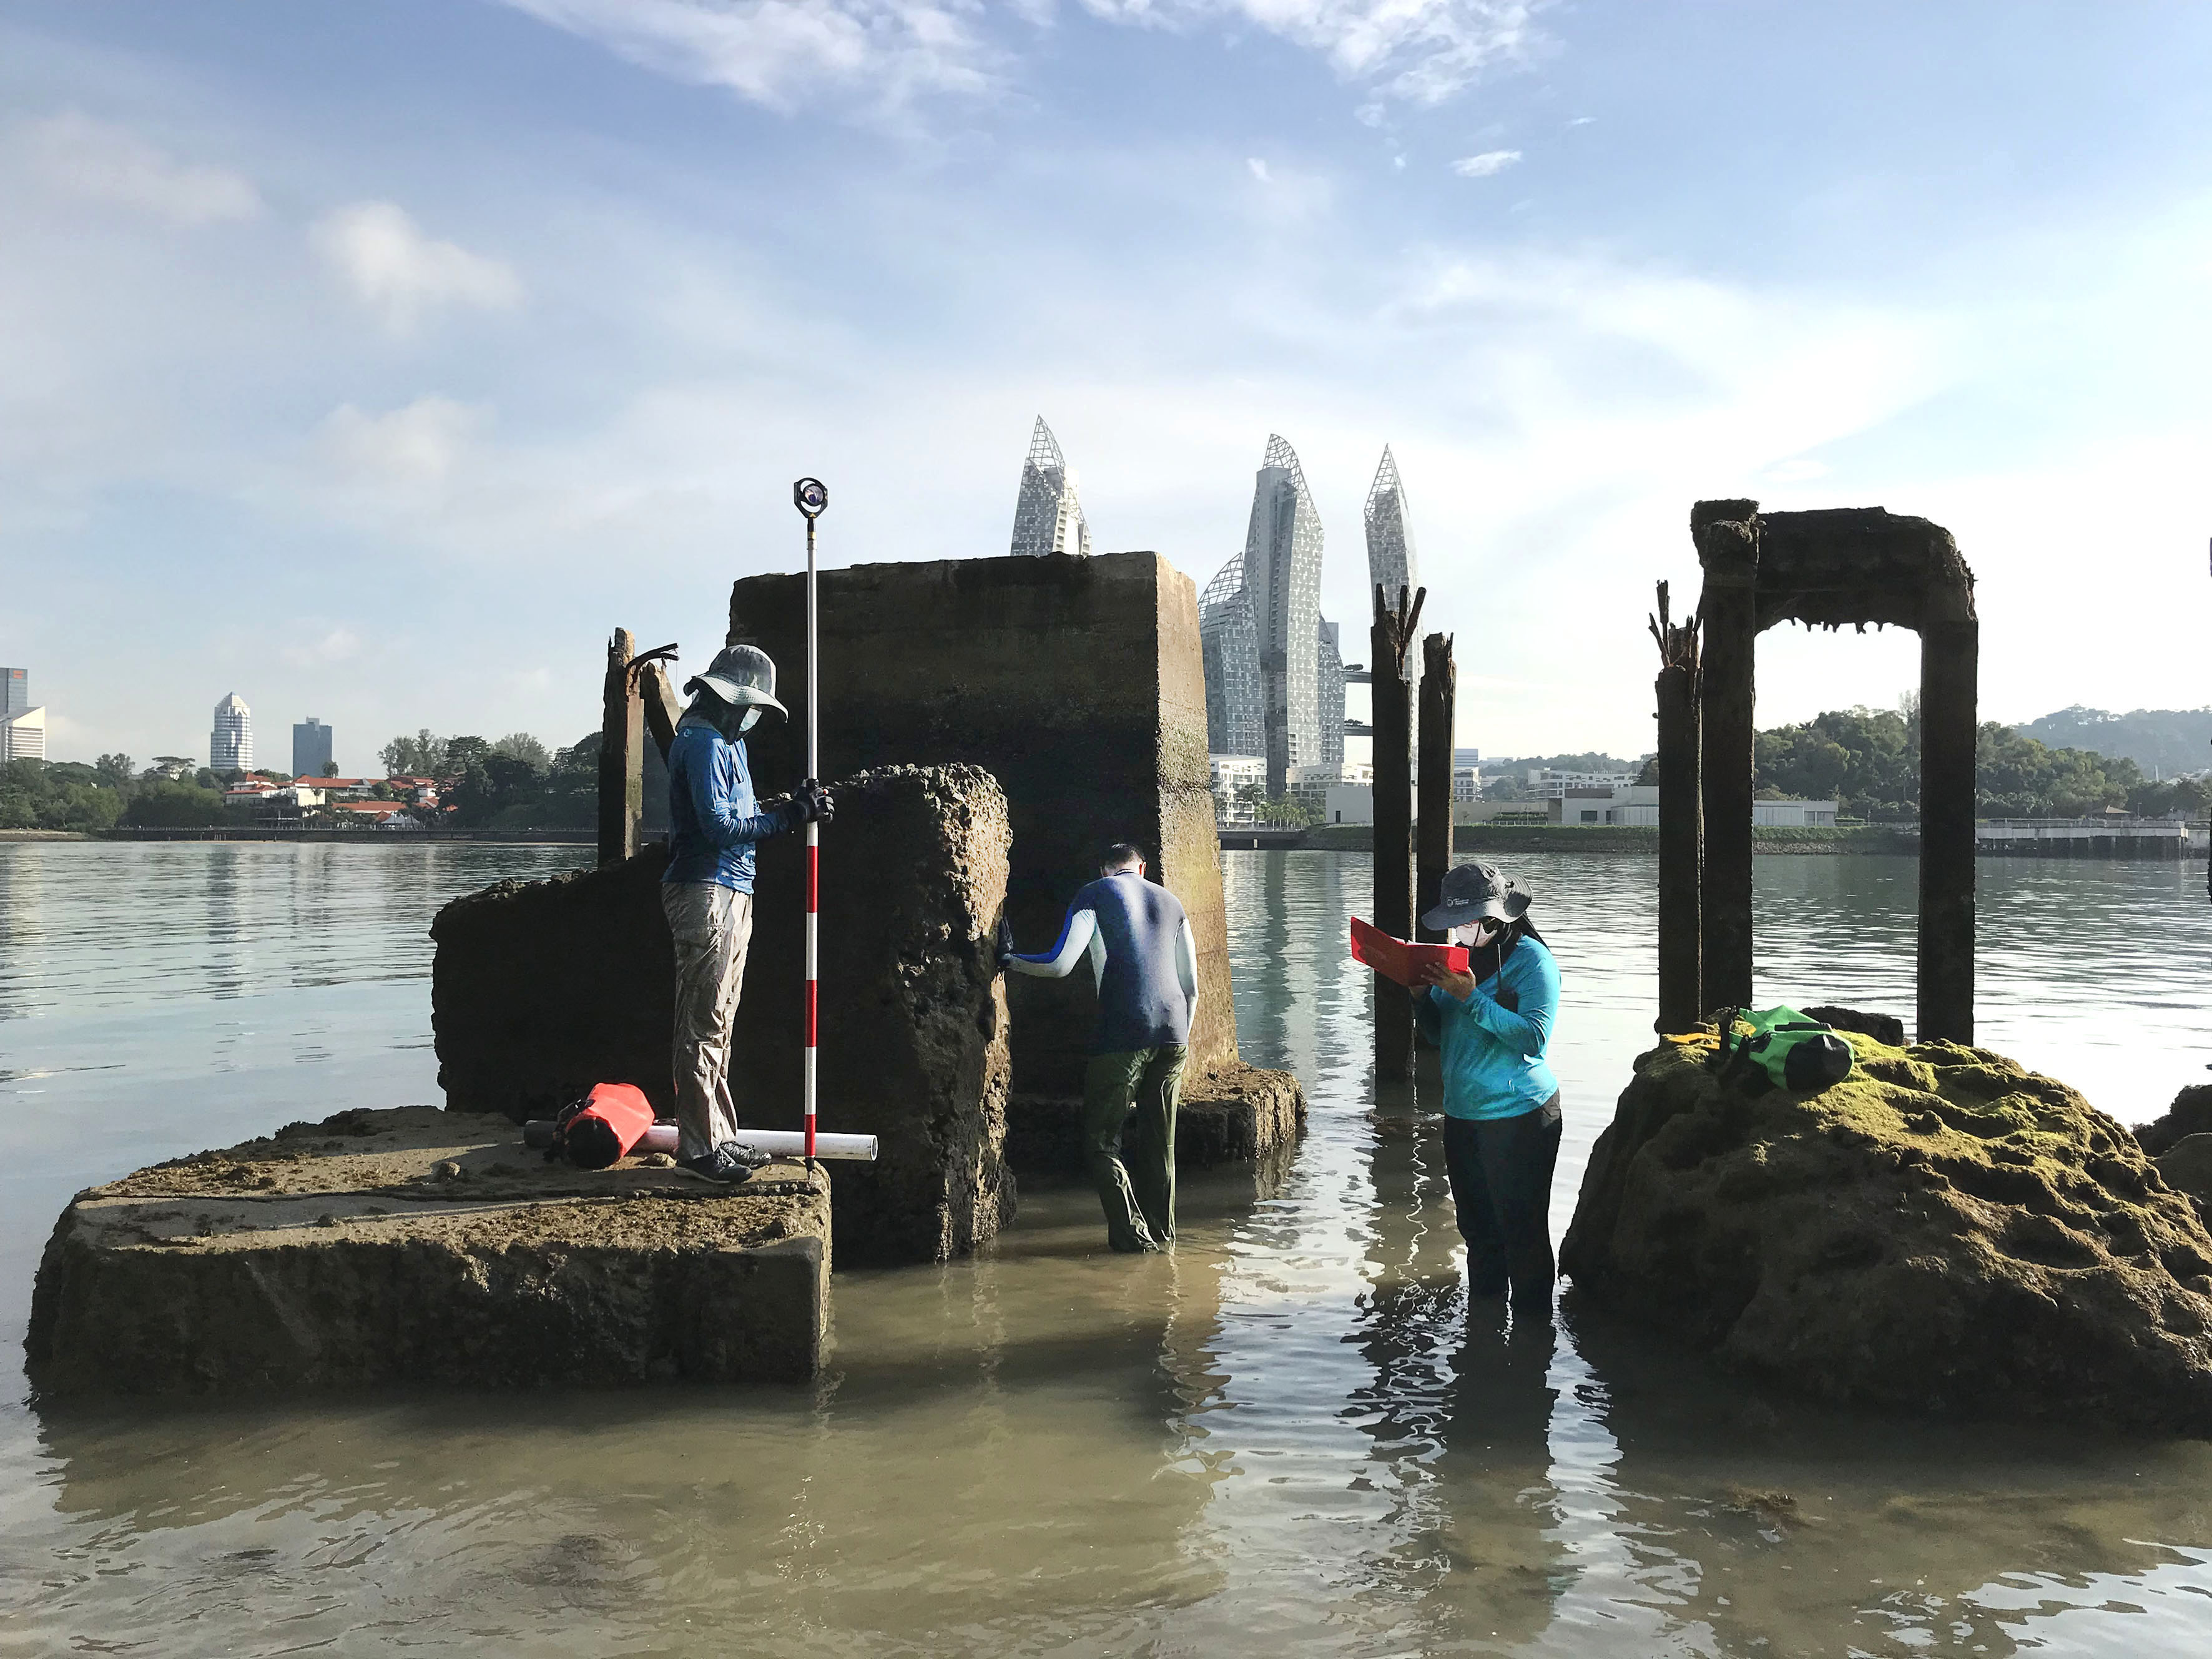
(1943, 1231)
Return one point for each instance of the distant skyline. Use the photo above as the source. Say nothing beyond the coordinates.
(380, 360)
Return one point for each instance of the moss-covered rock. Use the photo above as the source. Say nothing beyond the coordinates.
(1943, 1231)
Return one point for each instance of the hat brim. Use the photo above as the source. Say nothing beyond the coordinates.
(738, 696)
(1510, 905)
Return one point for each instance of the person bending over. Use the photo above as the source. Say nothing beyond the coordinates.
(707, 893)
(1502, 1119)
(1145, 962)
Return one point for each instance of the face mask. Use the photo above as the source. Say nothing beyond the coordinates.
(1478, 933)
(746, 724)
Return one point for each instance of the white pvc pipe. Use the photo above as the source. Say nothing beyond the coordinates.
(776, 1143)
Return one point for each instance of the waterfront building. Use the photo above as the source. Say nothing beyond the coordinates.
(1229, 645)
(311, 750)
(230, 745)
(1237, 782)
(1048, 518)
(23, 736)
(1282, 580)
(1391, 564)
(1328, 696)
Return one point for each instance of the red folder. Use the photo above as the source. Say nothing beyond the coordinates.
(1400, 959)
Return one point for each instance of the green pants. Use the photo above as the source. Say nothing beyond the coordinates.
(1129, 1102)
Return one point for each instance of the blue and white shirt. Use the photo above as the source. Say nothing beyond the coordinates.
(1142, 955)
(714, 818)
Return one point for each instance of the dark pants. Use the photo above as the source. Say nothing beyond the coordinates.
(1501, 1185)
(1129, 1104)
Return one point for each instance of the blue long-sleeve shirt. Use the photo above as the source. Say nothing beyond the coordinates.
(1493, 1053)
(714, 818)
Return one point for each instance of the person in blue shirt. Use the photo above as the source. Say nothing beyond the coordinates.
(1139, 943)
(708, 892)
(1501, 1121)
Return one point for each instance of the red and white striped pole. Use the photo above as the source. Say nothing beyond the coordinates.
(811, 498)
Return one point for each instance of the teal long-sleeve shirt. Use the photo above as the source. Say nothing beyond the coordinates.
(1494, 1044)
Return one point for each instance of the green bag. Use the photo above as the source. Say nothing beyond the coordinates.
(1764, 1048)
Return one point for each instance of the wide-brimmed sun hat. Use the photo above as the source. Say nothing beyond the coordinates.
(741, 675)
(1473, 891)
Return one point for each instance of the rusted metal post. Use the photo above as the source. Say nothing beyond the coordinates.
(622, 753)
(1439, 693)
(1950, 653)
(1393, 634)
(1727, 537)
(1681, 825)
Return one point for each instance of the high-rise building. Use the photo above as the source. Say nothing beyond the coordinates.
(14, 691)
(1282, 578)
(311, 750)
(230, 745)
(1229, 642)
(23, 737)
(1048, 518)
(1328, 698)
(1390, 562)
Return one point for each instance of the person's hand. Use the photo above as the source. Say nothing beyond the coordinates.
(1460, 986)
(813, 802)
(1005, 943)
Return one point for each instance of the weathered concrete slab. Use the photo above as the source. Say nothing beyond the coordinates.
(541, 989)
(420, 1246)
(1078, 683)
(1234, 1112)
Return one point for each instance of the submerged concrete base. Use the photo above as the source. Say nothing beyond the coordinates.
(1232, 1113)
(420, 1246)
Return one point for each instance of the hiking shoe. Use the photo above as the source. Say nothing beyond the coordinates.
(728, 1162)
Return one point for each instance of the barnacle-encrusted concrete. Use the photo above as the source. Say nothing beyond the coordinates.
(1230, 1113)
(420, 1246)
(1943, 1232)
(541, 989)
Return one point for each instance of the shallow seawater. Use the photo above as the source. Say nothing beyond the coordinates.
(1293, 1434)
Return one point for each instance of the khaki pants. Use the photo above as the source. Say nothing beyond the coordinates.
(712, 926)
(1129, 1102)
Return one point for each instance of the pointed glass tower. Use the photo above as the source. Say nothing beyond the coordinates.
(1282, 575)
(1229, 642)
(1390, 562)
(1048, 518)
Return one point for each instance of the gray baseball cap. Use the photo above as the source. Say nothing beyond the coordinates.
(1472, 891)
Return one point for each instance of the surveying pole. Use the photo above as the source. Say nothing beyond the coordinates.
(810, 498)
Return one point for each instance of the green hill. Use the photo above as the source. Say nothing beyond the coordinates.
(2160, 741)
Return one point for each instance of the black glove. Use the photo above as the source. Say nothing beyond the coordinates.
(1005, 942)
(812, 803)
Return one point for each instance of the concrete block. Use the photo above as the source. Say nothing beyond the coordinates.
(1234, 1112)
(542, 989)
(421, 1246)
(1077, 683)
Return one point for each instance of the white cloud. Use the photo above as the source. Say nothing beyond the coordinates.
(1259, 168)
(418, 446)
(400, 273)
(104, 163)
(1483, 166)
(889, 52)
(776, 51)
(338, 645)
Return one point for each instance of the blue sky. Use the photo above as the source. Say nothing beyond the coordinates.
(372, 360)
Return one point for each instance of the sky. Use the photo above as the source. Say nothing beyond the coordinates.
(373, 361)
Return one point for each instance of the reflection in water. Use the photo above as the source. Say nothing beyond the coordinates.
(1291, 1434)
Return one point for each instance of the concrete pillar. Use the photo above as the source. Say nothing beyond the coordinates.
(1681, 825)
(1949, 654)
(622, 753)
(1391, 635)
(1439, 693)
(1728, 547)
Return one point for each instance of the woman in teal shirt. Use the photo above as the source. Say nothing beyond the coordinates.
(1501, 1102)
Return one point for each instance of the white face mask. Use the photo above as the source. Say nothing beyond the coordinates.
(746, 724)
(1478, 933)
